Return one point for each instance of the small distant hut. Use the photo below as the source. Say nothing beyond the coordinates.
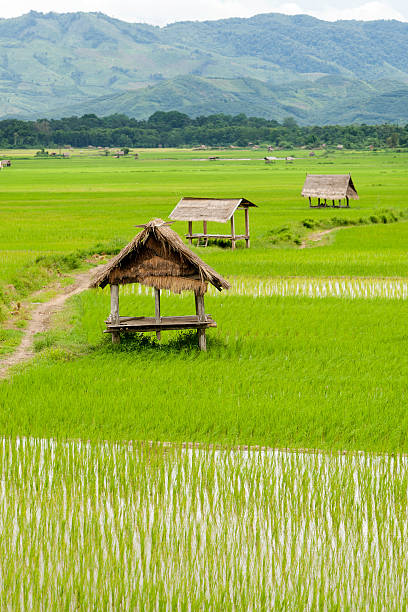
(218, 210)
(329, 188)
(157, 257)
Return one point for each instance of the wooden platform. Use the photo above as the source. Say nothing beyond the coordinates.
(226, 236)
(203, 236)
(329, 206)
(147, 324)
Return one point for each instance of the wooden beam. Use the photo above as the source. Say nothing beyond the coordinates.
(232, 232)
(114, 313)
(157, 309)
(200, 311)
(247, 243)
(190, 231)
(226, 236)
(205, 233)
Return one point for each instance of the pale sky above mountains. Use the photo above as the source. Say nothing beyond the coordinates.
(161, 12)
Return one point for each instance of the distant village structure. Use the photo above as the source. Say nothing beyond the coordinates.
(334, 188)
(218, 210)
(157, 257)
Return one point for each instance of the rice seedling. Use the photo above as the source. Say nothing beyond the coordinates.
(136, 527)
(348, 288)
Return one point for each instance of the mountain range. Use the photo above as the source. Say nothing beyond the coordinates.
(271, 65)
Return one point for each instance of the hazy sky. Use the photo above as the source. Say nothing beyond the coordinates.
(160, 12)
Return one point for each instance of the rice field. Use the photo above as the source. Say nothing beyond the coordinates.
(110, 526)
(96, 512)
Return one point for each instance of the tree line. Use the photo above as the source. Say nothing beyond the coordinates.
(175, 129)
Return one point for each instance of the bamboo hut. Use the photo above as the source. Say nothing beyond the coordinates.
(329, 188)
(157, 257)
(218, 210)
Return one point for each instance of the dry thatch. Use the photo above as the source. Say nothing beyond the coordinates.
(208, 209)
(329, 187)
(157, 257)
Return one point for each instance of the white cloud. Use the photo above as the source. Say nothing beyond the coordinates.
(370, 11)
(290, 8)
(161, 12)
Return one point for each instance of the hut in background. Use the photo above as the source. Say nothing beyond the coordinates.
(157, 257)
(329, 187)
(219, 210)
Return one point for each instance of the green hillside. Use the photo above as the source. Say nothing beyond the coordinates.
(270, 65)
(327, 100)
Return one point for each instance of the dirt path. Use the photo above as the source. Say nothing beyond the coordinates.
(316, 237)
(40, 321)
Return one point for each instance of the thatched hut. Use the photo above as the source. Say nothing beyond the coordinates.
(329, 187)
(157, 257)
(219, 210)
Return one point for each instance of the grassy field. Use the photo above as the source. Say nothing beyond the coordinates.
(282, 370)
(61, 205)
(309, 352)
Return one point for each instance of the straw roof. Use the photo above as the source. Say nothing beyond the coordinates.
(329, 186)
(157, 257)
(208, 209)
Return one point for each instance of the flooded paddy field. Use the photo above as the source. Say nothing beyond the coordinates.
(134, 526)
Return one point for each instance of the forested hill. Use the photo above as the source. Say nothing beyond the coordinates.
(270, 65)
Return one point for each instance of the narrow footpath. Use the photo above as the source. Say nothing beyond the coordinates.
(41, 319)
(316, 237)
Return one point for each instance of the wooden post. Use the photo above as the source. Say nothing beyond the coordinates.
(310, 202)
(190, 231)
(200, 311)
(247, 243)
(114, 314)
(333, 203)
(318, 201)
(348, 202)
(157, 310)
(205, 233)
(232, 232)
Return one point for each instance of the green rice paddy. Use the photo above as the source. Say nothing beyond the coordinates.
(310, 352)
